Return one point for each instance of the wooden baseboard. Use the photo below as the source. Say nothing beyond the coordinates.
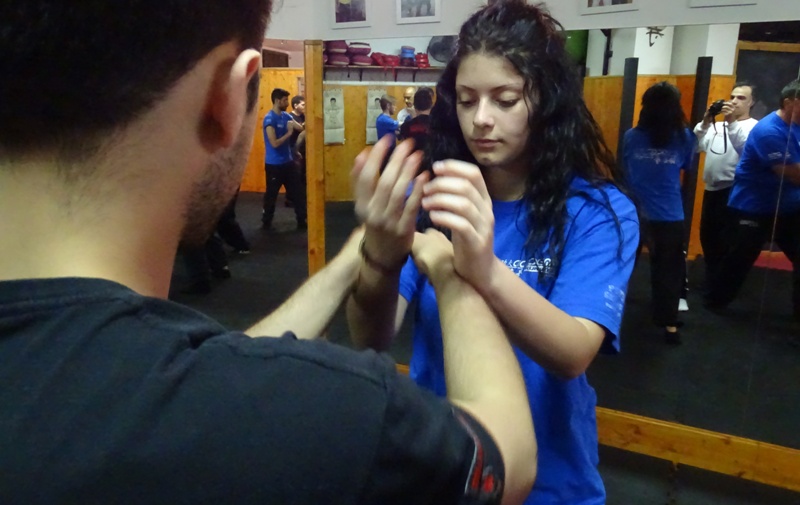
(717, 452)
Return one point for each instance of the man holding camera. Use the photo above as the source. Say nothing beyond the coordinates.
(723, 141)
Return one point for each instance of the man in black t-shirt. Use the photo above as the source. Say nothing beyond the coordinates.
(112, 394)
(419, 127)
(298, 142)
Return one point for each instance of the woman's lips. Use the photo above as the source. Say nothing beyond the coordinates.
(485, 144)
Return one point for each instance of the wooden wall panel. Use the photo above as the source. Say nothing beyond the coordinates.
(315, 167)
(271, 78)
(339, 158)
(603, 97)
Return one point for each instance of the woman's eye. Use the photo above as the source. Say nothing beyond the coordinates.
(465, 103)
(508, 103)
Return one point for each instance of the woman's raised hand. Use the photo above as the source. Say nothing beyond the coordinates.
(457, 199)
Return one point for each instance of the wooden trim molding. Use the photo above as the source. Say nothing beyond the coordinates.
(315, 169)
(727, 454)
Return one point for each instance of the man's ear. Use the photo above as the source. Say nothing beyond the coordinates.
(233, 96)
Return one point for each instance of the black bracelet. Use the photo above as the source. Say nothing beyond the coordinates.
(377, 266)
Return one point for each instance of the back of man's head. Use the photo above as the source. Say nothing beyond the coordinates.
(423, 99)
(71, 72)
(790, 92)
(386, 101)
(279, 94)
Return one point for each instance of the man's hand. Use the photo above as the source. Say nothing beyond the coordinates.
(381, 202)
(727, 112)
(433, 254)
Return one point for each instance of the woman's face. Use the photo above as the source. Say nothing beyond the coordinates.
(492, 110)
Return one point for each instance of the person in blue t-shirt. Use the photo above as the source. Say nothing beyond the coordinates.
(654, 154)
(767, 180)
(385, 124)
(526, 186)
(278, 127)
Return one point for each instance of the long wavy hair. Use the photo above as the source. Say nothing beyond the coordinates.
(662, 117)
(564, 139)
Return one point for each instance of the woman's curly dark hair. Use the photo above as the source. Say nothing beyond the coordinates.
(564, 139)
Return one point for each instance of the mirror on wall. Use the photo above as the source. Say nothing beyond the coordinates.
(729, 374)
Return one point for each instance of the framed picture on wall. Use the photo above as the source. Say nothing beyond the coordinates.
(586, 7)
(418, 11)
(720, 3)
(350, 13)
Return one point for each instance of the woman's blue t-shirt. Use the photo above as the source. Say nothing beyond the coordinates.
(591, 284)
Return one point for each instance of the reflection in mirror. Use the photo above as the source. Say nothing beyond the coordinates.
(720, 378)
(253, 263)
(729, 374)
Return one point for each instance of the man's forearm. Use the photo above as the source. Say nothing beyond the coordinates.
(372, 308)
(310, 309)
(484, 378)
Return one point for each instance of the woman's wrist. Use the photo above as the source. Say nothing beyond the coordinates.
(384, 269)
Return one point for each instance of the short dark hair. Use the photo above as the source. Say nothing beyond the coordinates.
(790, 91)
(296, 100)
(387, 100)
(279, 94)
(423, 99)
(746, 84)
(71, 72)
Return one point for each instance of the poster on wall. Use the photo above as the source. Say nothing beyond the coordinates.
(418, 11)
(349, 13)
(373, 111)
(603, 6)
(333, 116)
(720, 3)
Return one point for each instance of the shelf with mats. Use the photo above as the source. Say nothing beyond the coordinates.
(429, 71)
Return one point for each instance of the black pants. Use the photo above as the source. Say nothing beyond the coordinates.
(201, 261)
(229, 229)
(749, 232)
(283, 175)
(664, 240)
(715, 224)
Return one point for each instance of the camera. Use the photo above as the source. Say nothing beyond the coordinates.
(716, 107)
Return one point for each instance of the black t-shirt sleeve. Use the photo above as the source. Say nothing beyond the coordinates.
(431, 452)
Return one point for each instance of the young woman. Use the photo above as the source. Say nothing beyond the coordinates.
(655, 152)
(526, 186)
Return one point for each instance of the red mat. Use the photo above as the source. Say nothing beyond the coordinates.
(776, 260)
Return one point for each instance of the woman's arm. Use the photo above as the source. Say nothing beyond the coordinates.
(565, 345)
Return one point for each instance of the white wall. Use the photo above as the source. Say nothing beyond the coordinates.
(623, 44)
(311, 19)
(595, 53)
(654, 52)
(691, 42)
(717, 41)
(722, 41)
